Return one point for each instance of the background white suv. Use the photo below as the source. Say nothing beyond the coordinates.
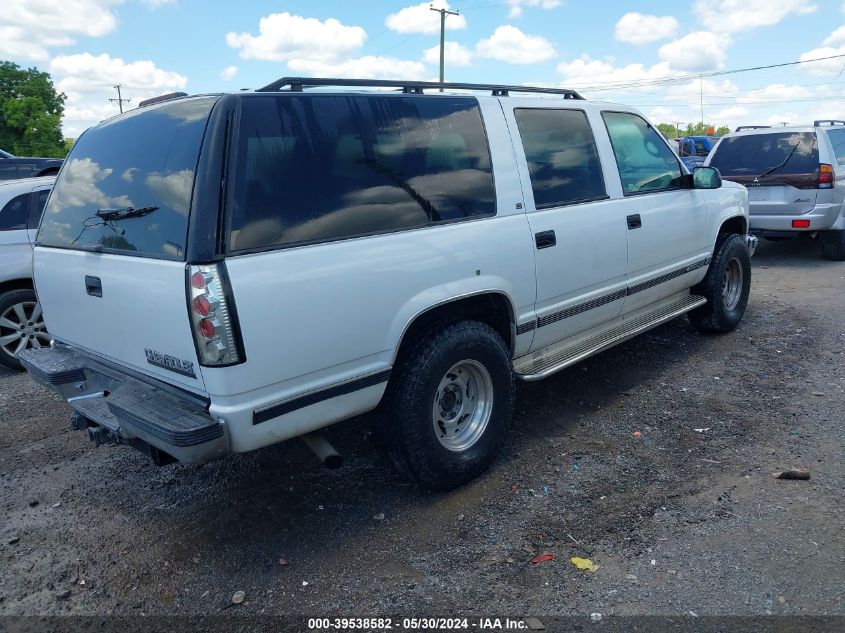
(21, 322)
(795, 178)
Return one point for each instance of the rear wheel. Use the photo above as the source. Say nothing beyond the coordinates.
(833, 245)
(448, 406)
(21, 326)
(726, 287)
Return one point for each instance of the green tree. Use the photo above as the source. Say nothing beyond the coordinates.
(692, 129)
(30, 112)
(667, 130)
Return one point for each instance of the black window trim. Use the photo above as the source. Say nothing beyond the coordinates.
(682, 184)
(28, 195)
(232, 167)
(560, 205)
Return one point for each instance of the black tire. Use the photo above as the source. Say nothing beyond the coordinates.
(833, 245)
(723, 313)
(405, 423)
(7, 301)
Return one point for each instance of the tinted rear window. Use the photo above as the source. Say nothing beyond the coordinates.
(754, 154)
(315, 168)
(143, 160)
(837, 139)
(563, 162)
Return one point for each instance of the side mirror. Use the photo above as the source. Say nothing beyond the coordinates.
(706, 178)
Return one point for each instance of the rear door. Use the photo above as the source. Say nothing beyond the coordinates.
(110, 252)
(579, 232)
(15, 249)
(780, 170)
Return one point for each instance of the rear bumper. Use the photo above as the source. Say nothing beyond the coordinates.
(823, 217)
(132, 409)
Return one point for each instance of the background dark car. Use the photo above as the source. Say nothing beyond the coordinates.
(13, 167)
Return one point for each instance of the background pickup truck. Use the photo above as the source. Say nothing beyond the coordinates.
(693, 150)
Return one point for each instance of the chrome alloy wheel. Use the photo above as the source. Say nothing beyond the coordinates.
(21, 327)
(732, 284)
(463, 405)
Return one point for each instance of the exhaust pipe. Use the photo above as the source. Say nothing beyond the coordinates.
(318, 443)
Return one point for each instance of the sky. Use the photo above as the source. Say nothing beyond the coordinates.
(672, 60)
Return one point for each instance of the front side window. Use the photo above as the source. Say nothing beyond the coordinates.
(645, 162)
(317, 168)
(562, 158)
(13, 214)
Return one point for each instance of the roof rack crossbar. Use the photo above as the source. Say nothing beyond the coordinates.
(298, 84)
(751, 127)
(827, 122)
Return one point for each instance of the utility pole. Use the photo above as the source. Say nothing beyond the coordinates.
(701, 96)
(443, 13)
(120, 100)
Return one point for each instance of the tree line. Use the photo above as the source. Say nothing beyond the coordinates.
(30, 113)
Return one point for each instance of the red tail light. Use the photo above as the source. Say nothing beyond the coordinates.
(212, 317)
(826, 176)
(800, 224)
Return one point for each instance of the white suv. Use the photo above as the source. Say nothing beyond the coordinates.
(224, 272)
(21, 323)
(795, 178)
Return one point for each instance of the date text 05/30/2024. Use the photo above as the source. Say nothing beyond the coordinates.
(410, 624)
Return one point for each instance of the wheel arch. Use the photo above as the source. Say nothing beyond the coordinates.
(493, 307)
(737, 224)
(16, 284)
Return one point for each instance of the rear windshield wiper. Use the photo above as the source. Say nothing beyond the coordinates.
(785, 160)
(124, 213)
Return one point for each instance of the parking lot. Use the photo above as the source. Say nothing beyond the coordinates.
(653, 460)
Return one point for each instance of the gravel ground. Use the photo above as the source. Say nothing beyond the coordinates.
(653, 460)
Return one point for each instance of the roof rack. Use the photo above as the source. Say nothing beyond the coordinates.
(742, 128)
(297, 84)
(827, 122)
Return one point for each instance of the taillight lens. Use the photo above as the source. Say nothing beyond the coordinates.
(826, 176)
(212, 319)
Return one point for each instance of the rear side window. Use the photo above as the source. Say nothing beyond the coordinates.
(644, 160)
(126, 186)
(776, 152)
(316, 168)
(36, 207)
(13, 213)
(837, 139)
(562, 158)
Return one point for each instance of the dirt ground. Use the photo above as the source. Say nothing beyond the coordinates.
(685, 517)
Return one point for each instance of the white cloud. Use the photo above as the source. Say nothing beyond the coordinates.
(283, 37)
(419, 18)
(733, 16)
(825, 67)
(228, 73)
(517, 5)
(28, 29)
(88, 81)
(837, 36)
(696, 52)
(509, 44)
(774, 92)
(636, 28)
(455, 54)
(586, 72)
(369, 66)
(155, 4)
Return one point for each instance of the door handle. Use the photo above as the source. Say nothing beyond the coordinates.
(93, 286)
(545, 239)
(634, 221)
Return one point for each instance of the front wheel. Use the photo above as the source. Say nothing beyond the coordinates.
(448, 406)
(726, 287)
(21, 325)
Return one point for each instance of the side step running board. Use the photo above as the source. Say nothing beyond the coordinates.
(537, 365)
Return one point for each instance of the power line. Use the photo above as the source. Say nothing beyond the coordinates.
(120, 100)
(443, 13)
(718, 73)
